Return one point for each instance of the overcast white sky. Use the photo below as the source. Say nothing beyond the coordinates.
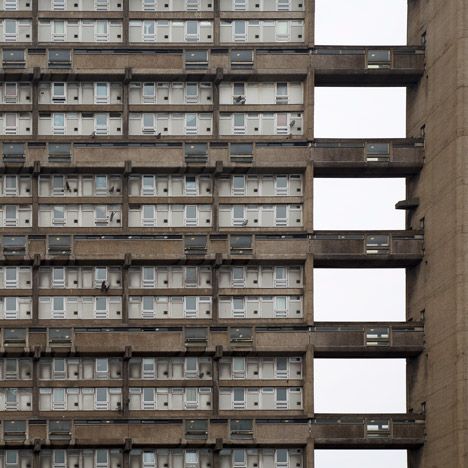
(364, 294)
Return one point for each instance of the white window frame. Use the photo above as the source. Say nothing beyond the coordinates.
(101, 99)
(191, 129)
(8, 188)
(239, 128)
(58, 36)
(99, 128)
(238, 404)
(59, 404)
(8, 96)
(191, 98)
(10, 36)
(238, 221)
(239, 35)
(59, 129)
(148, 98)
(101, 36)
(148, 123)
(58, 282)
(191, 221)
(281, 221)
(192, 36)
(148, 221)
(11, 308)
(11, 215)
(58, 313)
(150, 189)
(99, 312)
(101, 404)
(58, 98)
(148, 31)
(148, 282)
(11, 129)
(191, 403)
(57, 372)
(11, 283)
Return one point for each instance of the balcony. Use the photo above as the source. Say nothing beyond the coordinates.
(396, 431)
(359, 158)
(339, 249)
(381, 340)
(368, 66)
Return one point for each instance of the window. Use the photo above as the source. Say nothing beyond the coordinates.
(59, 459)
(100, 124)
(191, 125)
(281, 458)
(148, 185)
(149, 368)
(191, 215)
(59, 152)
(102, 368)
(59, 368)
(149, 277)
(59, 245)
(147, 307)
(191, 459)
(239, 459)
(281, 277)
(11, 126)
(149, 460)
(192, 5)
(58, 93)
(281, 307)
(100, 185)
(11, 185)
(101, 5)
(58, 216)
(190, 307)
(191, 93)
(191, 398)
(196, 152)
(11, 218)
(13, 152)
(58, 277)
(241, 151)
(100, 275)
(58, 185)
(10, 5)
(9, 27)
(238, 277)
(191, 185)
(13, 57)
(281, 185)
(196, 335)
(149, 31)
(238, 368)
(282, 31)
(149, 218)
(102, 458)
(58, 307)
(101, 403)
(196, 59)
(282, 127)
(102, 31)
(195, 244)
(11, 369)
(101, 308)
(192, 31)
(59, 58)
(191, 277)
(191, 367)
(14, 430)
(149, 93)
(11, 459)
(59, 430)
(58, 4)
(58, 124)
(58, 31)
(240, 30)
(241, 428)
(238, 398)
(101, 93)
(11, 93)
(11, 308)
(238, 93)
(281, 368)
(241, 243)
(281, 93)
(148, 124)
(148, 399)
(238, 215)
(196, 428)
(100, 214)
(58, 399)
(281, 215)
(11, 277)
(239, 124)
(281, 401)
(238, 185)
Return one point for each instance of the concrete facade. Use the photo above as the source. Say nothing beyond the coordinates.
(157, 238)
